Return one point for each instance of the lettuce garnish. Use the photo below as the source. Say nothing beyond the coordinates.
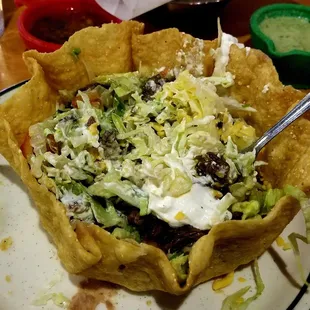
(236, 301)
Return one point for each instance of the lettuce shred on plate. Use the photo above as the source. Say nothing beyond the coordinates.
(236, 300)
(156, 159)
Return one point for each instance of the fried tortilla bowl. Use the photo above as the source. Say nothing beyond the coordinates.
(91, 251)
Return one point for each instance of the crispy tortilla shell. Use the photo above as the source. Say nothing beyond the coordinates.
(88, 249)
(227, 246)
(252, 73)
(171, 49)
(288, 154)
(102, 51)
(19, 110)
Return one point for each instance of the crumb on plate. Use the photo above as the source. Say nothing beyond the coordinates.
(240, 300)
(8, 278)
(6, 243)
(222, 282)
(283, 244)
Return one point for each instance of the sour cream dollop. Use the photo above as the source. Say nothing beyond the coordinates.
(222, 53)
(197, 208)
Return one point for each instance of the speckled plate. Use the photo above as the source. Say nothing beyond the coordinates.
(30, 266)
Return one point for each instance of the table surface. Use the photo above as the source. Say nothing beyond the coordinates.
(234, 18)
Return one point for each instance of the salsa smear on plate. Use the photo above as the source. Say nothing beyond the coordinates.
(287, 33)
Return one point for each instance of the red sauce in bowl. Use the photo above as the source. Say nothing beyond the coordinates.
(58, 29)
(46, 24)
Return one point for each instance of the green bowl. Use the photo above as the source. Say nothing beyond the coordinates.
(293, 66)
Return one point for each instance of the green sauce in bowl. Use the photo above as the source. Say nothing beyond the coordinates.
(286, 40)
(287, 33)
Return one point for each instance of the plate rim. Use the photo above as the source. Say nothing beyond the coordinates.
(12, 87)
(300, 295)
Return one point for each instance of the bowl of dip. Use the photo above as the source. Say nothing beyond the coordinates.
(282, 31)
(46, 24)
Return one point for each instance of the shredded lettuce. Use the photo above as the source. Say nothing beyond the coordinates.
(225, 80)
(293, 237)
(118, 123)
(80, 205)
(189, 93)
(179, 263)
(234, 106)
(305, 207)
(235, 301)
(107, 216)
(258, 195)
(128, 232)
(240, 133)
(130, 140)
(247, 208)
(58, 299)
(45, 295)
(126, 190)
(122, 83)
(241, 189)
(271, 198)
(155, 141)
(38, 137)
(304, 203)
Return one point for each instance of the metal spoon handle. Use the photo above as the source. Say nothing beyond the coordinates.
(302, 107)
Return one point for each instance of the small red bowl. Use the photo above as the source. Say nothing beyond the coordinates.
(38, 9)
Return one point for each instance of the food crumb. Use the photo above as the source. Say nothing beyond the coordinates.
(282, 244)
(8, 278)
(6, 243)
(91, 293)
(280, 241)
(149, 302)
(223, 281)
(10, 292)
(265, 88)
(241, 279)
(240, 300)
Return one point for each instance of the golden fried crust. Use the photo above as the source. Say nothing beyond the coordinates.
(290, 150)
(156, 50)
(227, 246)
(93, 252)
(288, 154)
(171, 49)
(237, 243)
(19, 110)
(104, 50)
(252, 72)
(52, 213)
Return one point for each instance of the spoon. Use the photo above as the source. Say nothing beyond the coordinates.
(302, 107)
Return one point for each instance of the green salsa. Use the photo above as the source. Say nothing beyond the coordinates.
(287, 33)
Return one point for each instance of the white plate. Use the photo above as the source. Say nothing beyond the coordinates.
(32, 263)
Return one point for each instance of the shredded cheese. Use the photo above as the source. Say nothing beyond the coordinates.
(222, 282)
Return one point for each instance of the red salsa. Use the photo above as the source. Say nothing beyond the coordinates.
(59, 29)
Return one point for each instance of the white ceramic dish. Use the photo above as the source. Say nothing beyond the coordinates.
(32, 264)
